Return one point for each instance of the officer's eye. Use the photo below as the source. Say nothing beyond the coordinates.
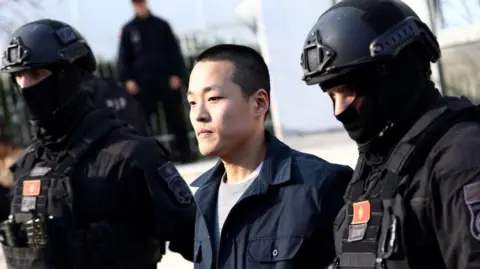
(33, 73)
(191, 103)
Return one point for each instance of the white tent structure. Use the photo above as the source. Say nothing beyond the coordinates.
(281, 27)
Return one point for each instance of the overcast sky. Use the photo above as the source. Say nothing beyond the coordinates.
(100, 20)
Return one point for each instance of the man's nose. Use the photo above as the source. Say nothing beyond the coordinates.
(341, 103)
(200, 113)
(22, 81)
(26, 80)
(340, 106)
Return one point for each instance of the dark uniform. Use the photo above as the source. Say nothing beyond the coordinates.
(106, 93)
(149, 55)
(413, 201)
(283, 220)
(4, 202)
(89, 192)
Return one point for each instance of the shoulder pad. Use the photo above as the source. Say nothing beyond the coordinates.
(415, 146)
(175, 182)
(26, 152)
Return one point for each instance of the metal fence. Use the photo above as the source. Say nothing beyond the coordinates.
(461, 70)
(16, 117)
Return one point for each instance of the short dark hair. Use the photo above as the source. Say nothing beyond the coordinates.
(250, 70)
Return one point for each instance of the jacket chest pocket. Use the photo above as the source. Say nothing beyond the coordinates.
(278, 253)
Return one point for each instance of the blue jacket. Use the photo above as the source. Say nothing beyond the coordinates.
(283, 220)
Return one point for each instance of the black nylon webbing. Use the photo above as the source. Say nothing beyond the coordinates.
(25, 160)
(81, 148)
(414, 148)
(425, 133)
(356, 186)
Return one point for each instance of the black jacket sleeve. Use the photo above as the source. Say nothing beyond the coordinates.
(172, 204)
(125, 57)
(330, 182)
(174, 53)
(331, 202)
(454, 200)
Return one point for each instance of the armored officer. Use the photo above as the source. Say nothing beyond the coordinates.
(106, 93)
(89, 192)
(413, 201)
(263, 205)
(151, 66)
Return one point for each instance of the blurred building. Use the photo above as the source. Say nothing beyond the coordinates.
(276, 28)
(280, 27)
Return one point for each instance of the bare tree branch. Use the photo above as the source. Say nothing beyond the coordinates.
(14, 13)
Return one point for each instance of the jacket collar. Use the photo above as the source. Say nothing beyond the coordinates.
(276, 167)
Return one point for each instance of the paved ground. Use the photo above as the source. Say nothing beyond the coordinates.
(334, 147)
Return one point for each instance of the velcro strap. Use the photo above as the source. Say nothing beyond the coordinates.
(357, 260)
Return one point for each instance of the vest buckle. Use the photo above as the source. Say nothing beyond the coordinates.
(335, 264)
(389, 244)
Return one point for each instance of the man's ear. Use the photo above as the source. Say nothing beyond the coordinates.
(262, 102)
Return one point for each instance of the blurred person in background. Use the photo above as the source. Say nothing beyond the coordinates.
(151, 66)
(106, 93)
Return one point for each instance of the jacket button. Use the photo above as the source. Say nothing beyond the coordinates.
(275, 253)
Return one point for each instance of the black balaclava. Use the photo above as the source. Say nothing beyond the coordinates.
(362, 125)
(396, 93)
(56, 104)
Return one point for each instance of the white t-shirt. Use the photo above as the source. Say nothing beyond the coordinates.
(228, 196)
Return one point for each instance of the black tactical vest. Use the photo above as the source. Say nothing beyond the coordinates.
(368, 232)
(40, 232)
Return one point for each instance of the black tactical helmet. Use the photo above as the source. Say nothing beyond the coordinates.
(355, 33)
(46, 43)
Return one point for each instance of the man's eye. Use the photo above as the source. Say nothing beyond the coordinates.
(215, 98)
(38, 74)
(191, 103)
